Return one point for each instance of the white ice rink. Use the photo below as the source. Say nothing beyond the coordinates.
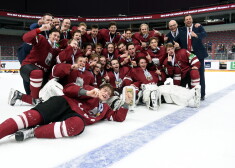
(173, 137)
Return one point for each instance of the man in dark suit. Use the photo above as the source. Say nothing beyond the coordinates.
(190, 38)
(174, 32)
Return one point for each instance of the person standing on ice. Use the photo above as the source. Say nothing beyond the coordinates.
(36, 67)
(66, 116)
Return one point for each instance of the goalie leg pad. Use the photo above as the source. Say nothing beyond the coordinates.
(195, 101)
(52, 88)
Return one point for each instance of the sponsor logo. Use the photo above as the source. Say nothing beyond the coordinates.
(207, 64)
(232, 65)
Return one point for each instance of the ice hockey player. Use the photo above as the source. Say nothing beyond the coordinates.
(65, 116)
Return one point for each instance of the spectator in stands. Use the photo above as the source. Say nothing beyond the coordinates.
(233, 48)
(222, 48)
(209, 46)
(218, 48)
(36, 67)
(191, 39)
(65, 32)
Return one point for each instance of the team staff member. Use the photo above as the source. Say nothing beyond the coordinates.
(190, 38)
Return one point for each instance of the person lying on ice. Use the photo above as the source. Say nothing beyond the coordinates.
(67, 115)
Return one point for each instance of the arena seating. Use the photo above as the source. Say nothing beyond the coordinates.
(9, 44)
(221, 37)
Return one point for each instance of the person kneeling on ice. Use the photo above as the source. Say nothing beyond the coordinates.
(67, 115)
(154, 95)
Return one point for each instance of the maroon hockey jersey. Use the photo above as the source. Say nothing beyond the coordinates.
(138, 76)
(116, 79)
(68, 55)
(184, 61)
(107, 38)
(139, 37)
(42, 54)
(91, 109)
(66, 75)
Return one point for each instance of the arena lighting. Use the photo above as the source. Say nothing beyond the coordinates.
(121, 15)
(214, 20)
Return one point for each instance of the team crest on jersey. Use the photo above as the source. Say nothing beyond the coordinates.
(48, 59)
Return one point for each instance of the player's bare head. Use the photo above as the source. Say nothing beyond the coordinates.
(54, 36)
(170, 49)
(115, 64)
(112, 27)
(153, 42)
(144, 28)
(142, 62)
(108, 88)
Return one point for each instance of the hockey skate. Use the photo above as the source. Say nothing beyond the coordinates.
(24, 134)
(37, 101)
(13, 96)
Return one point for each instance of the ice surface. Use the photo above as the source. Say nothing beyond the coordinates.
(205, 139)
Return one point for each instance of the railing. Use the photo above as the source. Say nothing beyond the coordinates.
(221, 56)
(8, 52)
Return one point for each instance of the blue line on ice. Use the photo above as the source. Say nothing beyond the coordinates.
(118, 149)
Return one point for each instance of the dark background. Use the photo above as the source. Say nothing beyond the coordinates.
(94, 8)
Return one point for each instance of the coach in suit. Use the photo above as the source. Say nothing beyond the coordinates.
(172, 36)
(190, 38)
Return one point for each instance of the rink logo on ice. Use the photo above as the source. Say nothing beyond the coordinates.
(207, 64)
(232, 65)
